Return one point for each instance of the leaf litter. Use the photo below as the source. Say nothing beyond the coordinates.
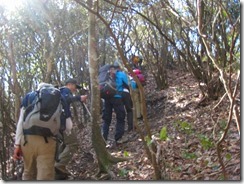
(188, 154)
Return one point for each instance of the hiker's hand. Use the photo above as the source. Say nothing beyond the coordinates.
(69, 125)
(83, 98)
(17, 153)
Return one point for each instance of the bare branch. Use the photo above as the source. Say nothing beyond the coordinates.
(199, 20)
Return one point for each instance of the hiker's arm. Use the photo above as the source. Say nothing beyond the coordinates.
(69, 97)
(19, 129)
(76, 98)
(66, 122)
(133, 84)
(125, 79)
(125, 82)
(19, 133)
(24, 104)
(69, 126)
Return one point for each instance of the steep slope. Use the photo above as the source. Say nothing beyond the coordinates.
(193, 129)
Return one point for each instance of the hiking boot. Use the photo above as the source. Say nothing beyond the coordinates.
(111, 145)
(122, 140)
(130, 129)
(132, 136)
(59, 175)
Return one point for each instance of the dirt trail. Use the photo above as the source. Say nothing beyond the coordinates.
(189, 153)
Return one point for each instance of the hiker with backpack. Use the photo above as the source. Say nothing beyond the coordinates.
(70, 140)
(136, 92)
(140, 76)
(137, 99)
(126, 98)
(113, 101)
(38, 124)
(137, 62)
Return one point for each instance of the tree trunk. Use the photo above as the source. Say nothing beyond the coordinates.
(15, 86)
(105, 160)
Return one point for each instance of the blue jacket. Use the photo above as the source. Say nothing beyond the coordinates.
(121, 81)
(133, 84)
(68, 98)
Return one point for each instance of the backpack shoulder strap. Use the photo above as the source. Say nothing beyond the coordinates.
(29, 101)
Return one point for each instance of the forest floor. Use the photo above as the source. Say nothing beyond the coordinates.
(189, 153)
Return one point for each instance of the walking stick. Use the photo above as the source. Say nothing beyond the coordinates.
(87, 109)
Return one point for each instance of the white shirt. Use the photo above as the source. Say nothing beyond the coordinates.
(19, 129)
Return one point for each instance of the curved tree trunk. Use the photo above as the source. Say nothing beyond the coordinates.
(105, 160)
(93, 75)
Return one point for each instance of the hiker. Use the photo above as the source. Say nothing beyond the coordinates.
(127, 101)
(137, 99)
(136, 92)
(115, 103)
(35, 133)
(70, 141)
(140, 76)
(136, 62)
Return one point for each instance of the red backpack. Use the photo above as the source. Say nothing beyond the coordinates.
(140, 76)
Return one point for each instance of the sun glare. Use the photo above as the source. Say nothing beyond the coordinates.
(11, 5)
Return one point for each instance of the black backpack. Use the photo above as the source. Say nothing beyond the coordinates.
(107, 82)
(42, 115)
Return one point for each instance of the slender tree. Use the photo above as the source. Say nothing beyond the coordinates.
(105, 160)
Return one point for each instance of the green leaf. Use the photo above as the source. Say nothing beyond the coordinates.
(179, 169)
(224, 14)
(123, 172)
(222, 124)
(206, 143)
(163, 134)
(185, 125)
(148, 140)
(126, 154)
(228, 156)
(221, 177)
(187, 155)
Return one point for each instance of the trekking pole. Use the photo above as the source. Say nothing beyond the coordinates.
(87, 109)
(84, 105)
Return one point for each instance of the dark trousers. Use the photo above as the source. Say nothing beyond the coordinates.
(118, 106)
(129, 109)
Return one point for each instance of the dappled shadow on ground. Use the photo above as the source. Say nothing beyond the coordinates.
(188, 154)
